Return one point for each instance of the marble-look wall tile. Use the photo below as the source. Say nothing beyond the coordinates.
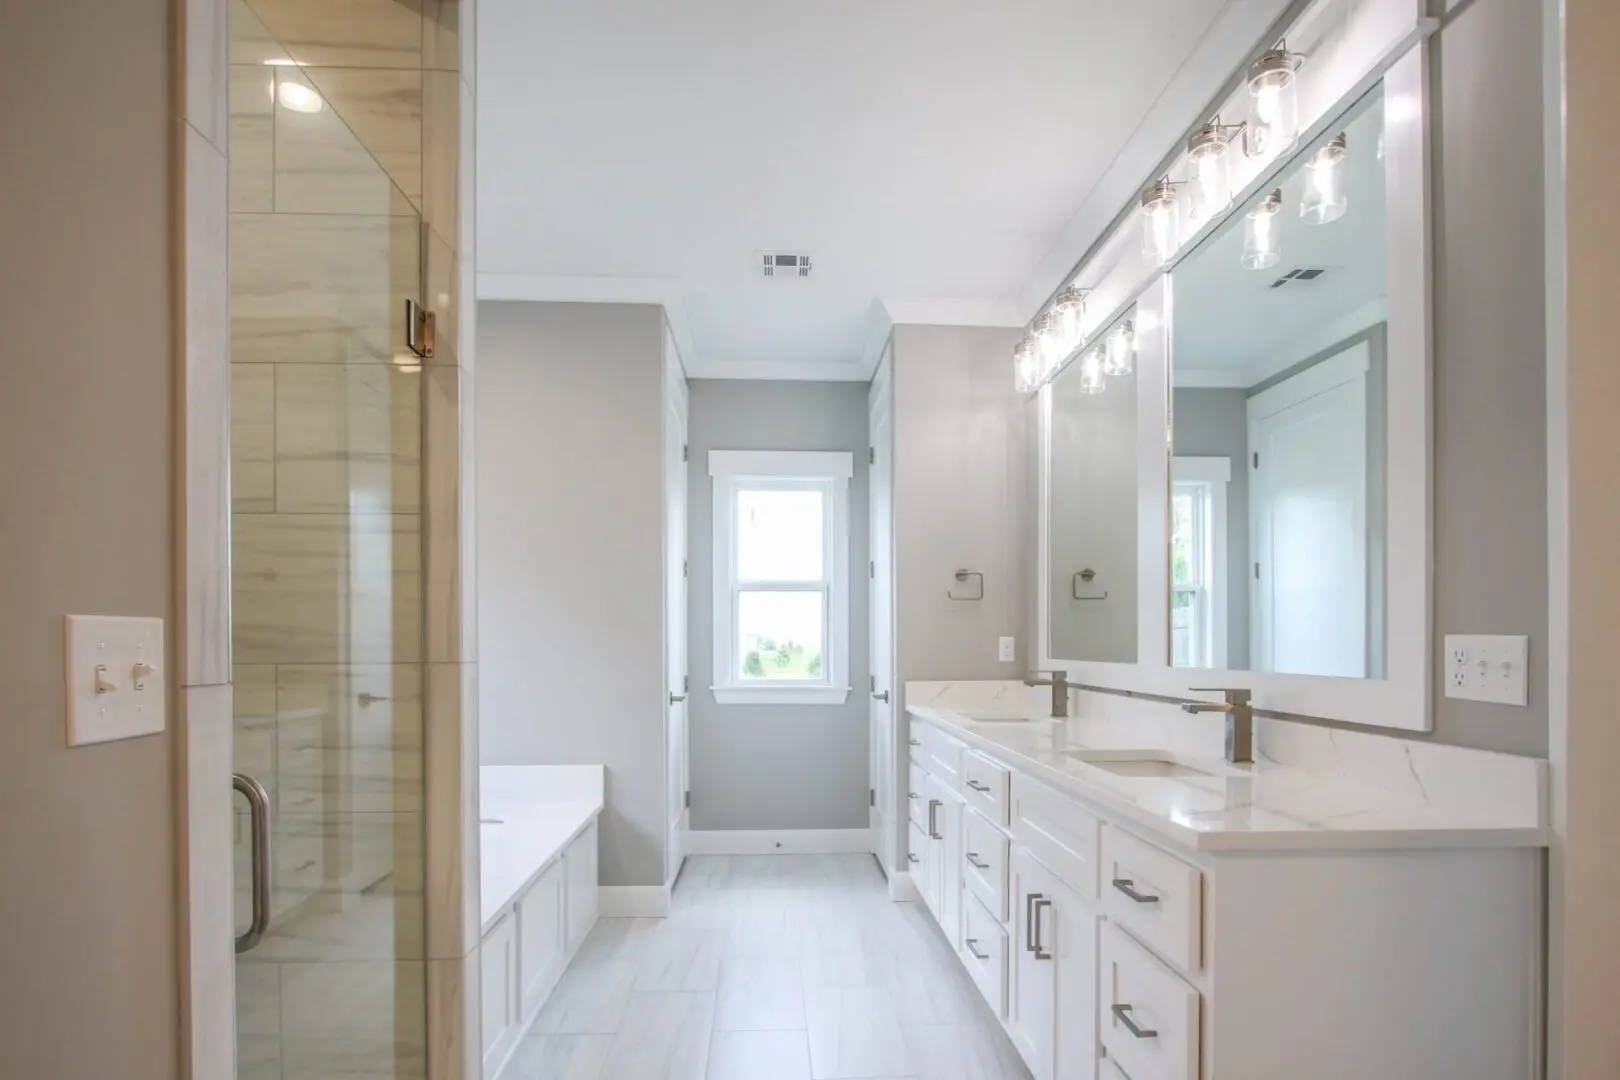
(204, 728)
(466, 230)
(253, 132)
(451, 732)
(322, 166)
(250, 40)
(322, 288)
(455, 1020)
(448, 506)
(358, 875)
(204, 29)
(442, 294)
(328, 588)
(253, 438)
(253, 725)
(347, 436)
(383, 109)
(350, 737)
(258, 1020)
(441, 152)
(346, 33)
(205, 616)
(442, 30)
(361, 1019)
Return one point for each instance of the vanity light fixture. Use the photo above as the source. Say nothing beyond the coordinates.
(1069, 310)
(1324, 198)
(1092, 377)
(298, 97)
(1272, 123)
(1160, 231)
(1026, 368)
(1049, 350)
(1262, 239)
(1120, 356)
(1211, 169)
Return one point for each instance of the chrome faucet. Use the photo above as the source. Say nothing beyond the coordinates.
(1059, 682)
(1239, 721)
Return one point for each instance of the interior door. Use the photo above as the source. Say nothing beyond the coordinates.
(885, 813)
(676, 576)
(1308, 493)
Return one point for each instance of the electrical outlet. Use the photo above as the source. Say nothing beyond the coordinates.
(1007, 650)
(1486, 667)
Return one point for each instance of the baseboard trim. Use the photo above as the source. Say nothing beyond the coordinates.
(632, 901)
(780, 842)
(902, 889)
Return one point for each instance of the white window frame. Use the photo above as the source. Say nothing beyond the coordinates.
(1209, 477)
(763, 470)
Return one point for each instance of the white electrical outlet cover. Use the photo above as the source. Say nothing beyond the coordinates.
(1007, 650)
(117, 685)
(1488, 667)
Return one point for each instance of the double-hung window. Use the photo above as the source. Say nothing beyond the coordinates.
(781, 576)
(1198, 561)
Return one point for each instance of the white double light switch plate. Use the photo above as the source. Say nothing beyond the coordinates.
(117, 687)
(1488, 667)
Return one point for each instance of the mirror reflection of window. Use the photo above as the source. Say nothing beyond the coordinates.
(1278, 347)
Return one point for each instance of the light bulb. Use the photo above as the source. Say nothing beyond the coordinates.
(298, 97)
(1262, 239)
(1069, 309)
(1049, 351)
(1211, 179)
(1026, 369)
(1273, 115)
(1159, 226)
(1092, 379)
(1121, 354)
(1324, 199)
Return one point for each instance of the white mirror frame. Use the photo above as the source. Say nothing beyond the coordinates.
(1403, 699)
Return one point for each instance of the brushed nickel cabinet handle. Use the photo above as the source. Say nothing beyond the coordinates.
(910, 857)
(977, 955)
(258, 801)
(976, 786)
(915, 742)
(1037, 907)
(913, 795)
(1123, 1014)
(933, 828)
(1029, 921)
(1127, 886)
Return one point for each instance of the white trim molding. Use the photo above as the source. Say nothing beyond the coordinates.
(829, 472)
(779, 842)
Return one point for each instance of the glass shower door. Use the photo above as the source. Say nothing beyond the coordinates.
(326, 420)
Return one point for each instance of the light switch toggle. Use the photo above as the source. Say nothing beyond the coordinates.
(142, 672)
(104, 685)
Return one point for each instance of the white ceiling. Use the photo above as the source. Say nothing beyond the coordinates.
(940, 162)
(1231, 328)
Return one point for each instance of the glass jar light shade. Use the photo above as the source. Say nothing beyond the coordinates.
(1160, 232)
(1026, 369)
(1049, 351)
(1273, 113)
(1211, 171)
(1092, 379)
(1324, 199)
(1069, 311)
(1120, 354)
(1262, 233)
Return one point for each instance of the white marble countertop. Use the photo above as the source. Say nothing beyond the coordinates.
(1263, 806)
(527, 816)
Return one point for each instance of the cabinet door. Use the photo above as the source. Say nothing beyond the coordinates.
(933, 849)
(540, 936)
(498, 970)
(1033, 1002)
(950, 904)
(580, 910)
(1068, 931)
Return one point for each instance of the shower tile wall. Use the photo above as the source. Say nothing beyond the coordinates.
(340, 210)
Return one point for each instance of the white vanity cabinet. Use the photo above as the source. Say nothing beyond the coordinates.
(1111, 948)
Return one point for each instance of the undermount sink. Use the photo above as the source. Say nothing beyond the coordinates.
(1136, 763)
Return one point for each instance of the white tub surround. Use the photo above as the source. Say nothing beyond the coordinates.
(1349, 905)
(538, 879)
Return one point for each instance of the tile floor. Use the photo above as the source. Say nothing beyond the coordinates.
(782, 967)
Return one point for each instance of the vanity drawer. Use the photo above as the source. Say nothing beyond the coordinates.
(916, 845)
(917, 795)
(914, 737)
(984, 949)
(1058, 832)
(942, 757)
(1149, 1014)
(984, 862)
(1111, 1070)
(985, 786)
(1156, 896)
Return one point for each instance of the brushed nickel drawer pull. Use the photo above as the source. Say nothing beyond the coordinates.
(976, 786)
(1127, 886)
(1123, 1014)
(1029, 921)
(973, 861)
(910, 856)
(933, 829)
(1039, 950)
(977, 955)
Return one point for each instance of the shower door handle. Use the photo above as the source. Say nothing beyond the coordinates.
(258, 801)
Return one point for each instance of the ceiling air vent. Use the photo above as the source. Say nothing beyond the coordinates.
(1300, 276)
(784, 265)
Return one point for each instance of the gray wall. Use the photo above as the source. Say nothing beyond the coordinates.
(962, 485)
(775, 766)
(88, 983)
(1215, 423)
(570, 521)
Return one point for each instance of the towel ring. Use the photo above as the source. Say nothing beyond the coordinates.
(964, 575)
(1087, 575)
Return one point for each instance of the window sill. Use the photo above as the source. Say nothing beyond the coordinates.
(780, 695)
